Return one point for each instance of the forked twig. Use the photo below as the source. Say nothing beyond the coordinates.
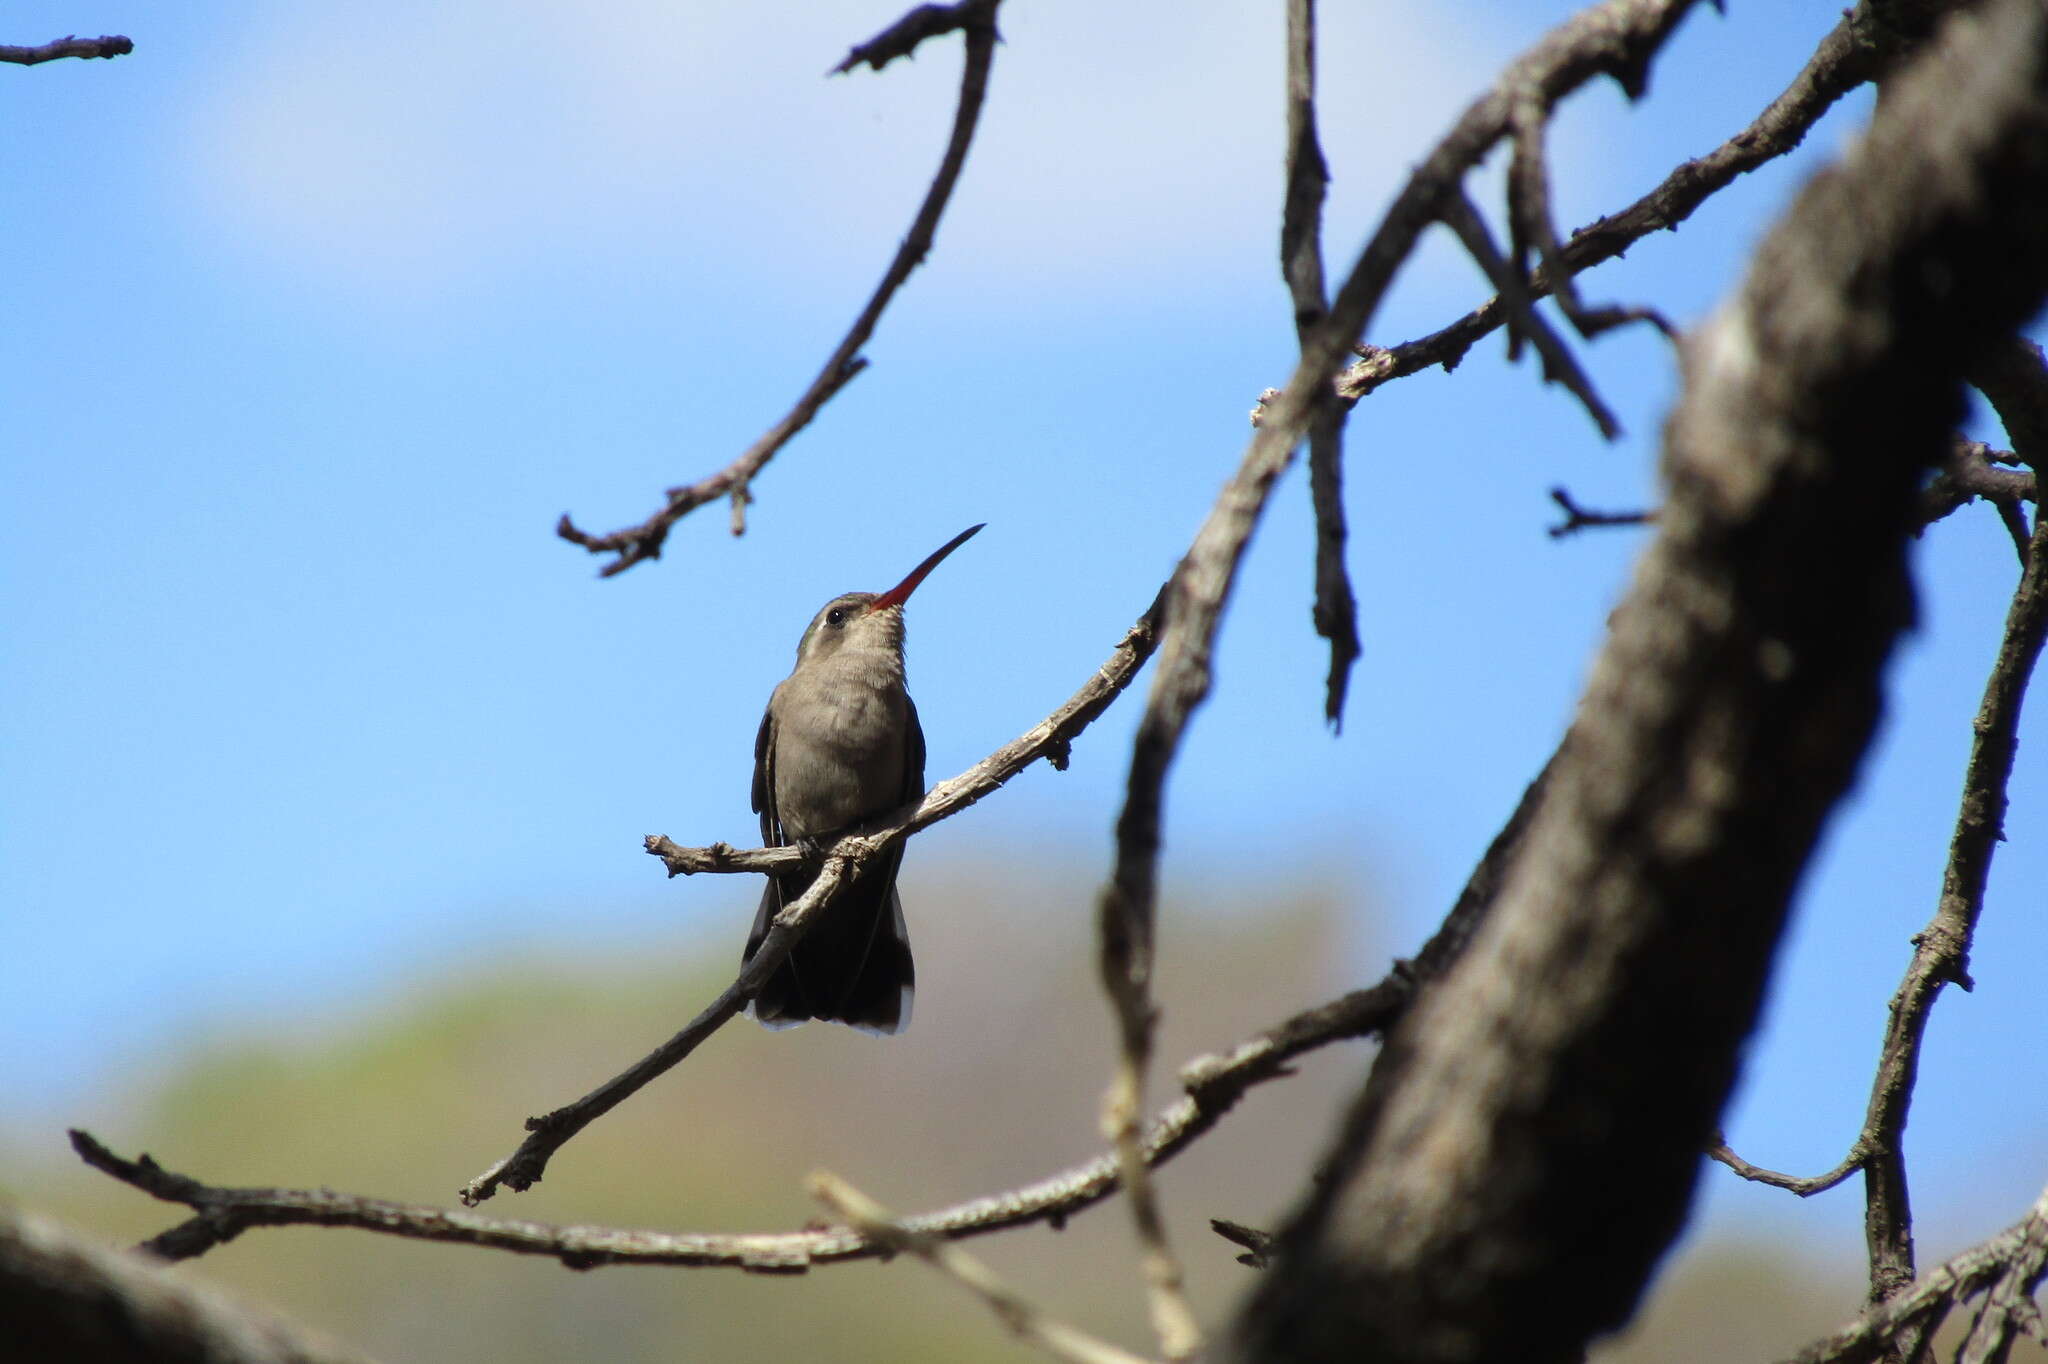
(977, 20)
(1941, 950)
(1024, 1319)
(841, 860)
(1301, 263)
(1848, 57)
(1617, 38)
(1213, 1083)
(2007, 1269)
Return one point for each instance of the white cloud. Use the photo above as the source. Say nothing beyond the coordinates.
(411, 149)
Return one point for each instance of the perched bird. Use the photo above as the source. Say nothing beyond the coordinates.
(840, 744)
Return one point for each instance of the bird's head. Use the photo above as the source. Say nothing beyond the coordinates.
(865, 621)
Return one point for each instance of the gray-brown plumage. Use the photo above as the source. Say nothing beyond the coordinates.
(840, 744)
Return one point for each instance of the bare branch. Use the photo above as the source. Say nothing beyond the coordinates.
(551, 1131)
(1173, 1320)
(1805, 1188)
(1617, 38)
(842, 859)
(1531, 226)
(901, 38)
(1578, 518)
(976, 18)
(1941, 949)
(1024, 1320)
(1971, 471)
(1301, 264)
(1213, 1084)
(1854, 52)
(1257, 1244)
(1559, 365)
(2007, 1269)
(69, 46)
(2015, 522)
(1050, 739)
(1597, 1018)
(2014, 377)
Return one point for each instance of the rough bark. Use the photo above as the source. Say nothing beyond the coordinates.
(64, 1298)
(1528, 1144)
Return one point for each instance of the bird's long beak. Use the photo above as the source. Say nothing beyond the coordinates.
(900, 593)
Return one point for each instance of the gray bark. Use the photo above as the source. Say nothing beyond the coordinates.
(1528, 1144)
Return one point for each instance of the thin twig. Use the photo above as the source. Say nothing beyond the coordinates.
(1805, 1187)
(841, 860)
(1050, 739)
(1173, 1319)
(901, 38)
(549, 1132)
(1601, 1013)
(1578, 518)
(1301, 264)
(1257, 1244)
(1942, 949)
(1531, 225)
(1849, 56)
(2014, 377)
(71, 45)
(1972, 471)
(1524, 321)
(1212, 1084)
(2015, 522)
(2008, 1268)
(1024, 1319)
(1617, 38)
(977, 20)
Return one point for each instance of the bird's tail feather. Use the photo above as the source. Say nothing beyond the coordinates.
(852, 967)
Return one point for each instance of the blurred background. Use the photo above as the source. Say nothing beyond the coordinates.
(328, 764)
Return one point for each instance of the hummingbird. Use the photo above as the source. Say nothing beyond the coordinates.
(840, 743)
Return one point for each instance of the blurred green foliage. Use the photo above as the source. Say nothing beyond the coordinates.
(996, 1083)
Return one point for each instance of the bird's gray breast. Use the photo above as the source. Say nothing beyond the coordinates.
(840, 735)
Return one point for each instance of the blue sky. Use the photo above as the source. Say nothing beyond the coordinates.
(319, 316)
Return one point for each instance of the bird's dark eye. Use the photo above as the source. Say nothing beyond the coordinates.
(836, 616)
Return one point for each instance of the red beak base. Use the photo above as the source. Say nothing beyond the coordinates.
(900, 593)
